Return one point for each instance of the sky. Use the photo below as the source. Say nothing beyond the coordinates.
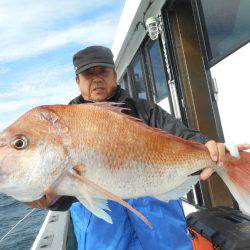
(38, 40)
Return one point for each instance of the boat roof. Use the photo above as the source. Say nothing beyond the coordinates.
(130, 32)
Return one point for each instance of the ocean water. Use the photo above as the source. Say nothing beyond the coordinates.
(23, 236)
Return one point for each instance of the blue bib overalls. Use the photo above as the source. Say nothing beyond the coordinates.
(128, 232)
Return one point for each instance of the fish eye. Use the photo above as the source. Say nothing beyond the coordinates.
(20, 142)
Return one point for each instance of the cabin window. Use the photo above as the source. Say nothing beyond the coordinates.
(123, 82)
(157, 68)
(226, 26)
(138, 78)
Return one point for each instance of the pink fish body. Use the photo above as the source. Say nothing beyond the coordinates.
(116, 155)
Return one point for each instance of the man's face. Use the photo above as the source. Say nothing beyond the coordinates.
(97, 84)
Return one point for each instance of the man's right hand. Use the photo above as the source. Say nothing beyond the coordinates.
(46, 201)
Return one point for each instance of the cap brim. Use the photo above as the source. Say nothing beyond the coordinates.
(80, 70)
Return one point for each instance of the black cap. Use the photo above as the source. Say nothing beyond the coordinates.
(93, 56)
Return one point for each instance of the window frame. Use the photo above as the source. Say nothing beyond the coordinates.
(199, 17)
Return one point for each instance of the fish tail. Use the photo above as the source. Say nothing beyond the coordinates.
(236, 175)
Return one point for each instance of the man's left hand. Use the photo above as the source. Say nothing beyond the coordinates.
(217, 152)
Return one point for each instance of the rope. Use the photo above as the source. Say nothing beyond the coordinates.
(17, 224)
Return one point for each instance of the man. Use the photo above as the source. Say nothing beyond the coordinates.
(97, 82)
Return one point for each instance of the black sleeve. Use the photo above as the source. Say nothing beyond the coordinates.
(63, 204)
(156, 117)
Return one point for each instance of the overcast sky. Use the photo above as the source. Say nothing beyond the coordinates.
(38, 40)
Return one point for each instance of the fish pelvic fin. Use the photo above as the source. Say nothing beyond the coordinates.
(236, 175)
(109, 196)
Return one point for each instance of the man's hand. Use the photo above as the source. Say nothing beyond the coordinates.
(217, 152)
(46, 201)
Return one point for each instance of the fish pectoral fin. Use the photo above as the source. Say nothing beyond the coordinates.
(179, 191)
(87, 198)
(101, 203)
(97, 209)
(80, 191)
(109, 195)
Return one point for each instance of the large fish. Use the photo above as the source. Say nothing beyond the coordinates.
(95, 152)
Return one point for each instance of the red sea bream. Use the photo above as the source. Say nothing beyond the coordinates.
(95, 152)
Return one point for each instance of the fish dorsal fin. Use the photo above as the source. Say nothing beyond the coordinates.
(114, 107)
(117, 108)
